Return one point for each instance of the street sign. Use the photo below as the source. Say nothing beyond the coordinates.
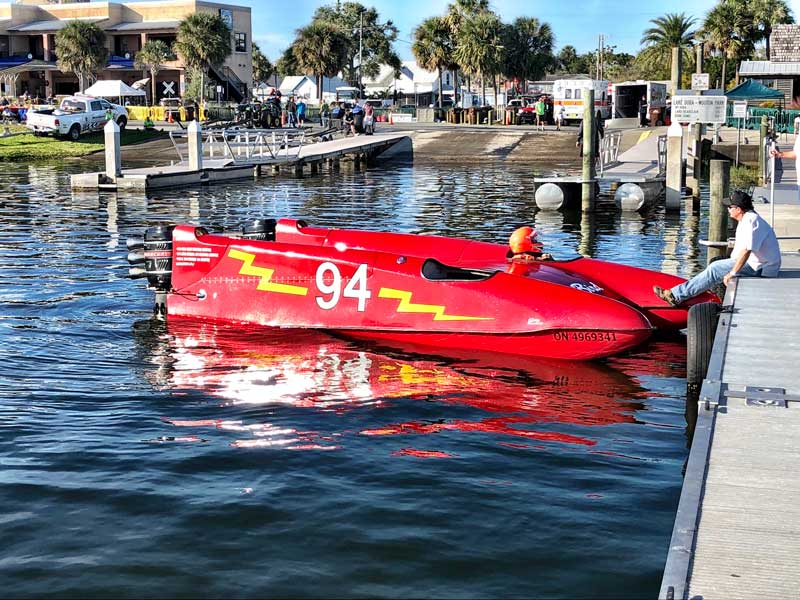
(740, 109)
(699, 109)
(699, 81)
(169, 87)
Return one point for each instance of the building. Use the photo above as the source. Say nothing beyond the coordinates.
(782, 70)
(28, 31)
(414, 85)
(303, 86)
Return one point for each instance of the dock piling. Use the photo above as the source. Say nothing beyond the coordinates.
(717, 213)
(587, 189)
(113, 153)
(674, 166)
(195, 146)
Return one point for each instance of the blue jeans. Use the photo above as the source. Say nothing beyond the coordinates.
(709, 277)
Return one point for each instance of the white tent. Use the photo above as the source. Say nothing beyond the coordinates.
(112, 88)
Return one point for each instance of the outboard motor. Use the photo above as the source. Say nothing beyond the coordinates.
(260, 229)
(155, 252)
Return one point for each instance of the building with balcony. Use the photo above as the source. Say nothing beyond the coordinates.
(28, 50)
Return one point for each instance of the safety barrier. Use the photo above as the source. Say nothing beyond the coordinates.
(161, 113)
(784, 118)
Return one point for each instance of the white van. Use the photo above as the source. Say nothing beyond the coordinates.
(570, 93)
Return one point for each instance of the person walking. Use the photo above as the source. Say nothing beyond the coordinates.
(291, 112)
(540, 109)
(756, 253)
(324, 114)
(599, 132)
(643, 112)
(559, 112)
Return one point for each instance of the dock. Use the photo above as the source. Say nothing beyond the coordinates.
(737, 529)
(240, 155)
(636, 176)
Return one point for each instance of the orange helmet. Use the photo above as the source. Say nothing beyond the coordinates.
(522, 240)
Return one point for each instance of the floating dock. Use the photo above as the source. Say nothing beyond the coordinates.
(247, 159)
(737, 530)
(637, 176)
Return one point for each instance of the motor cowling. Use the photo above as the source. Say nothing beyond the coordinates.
(158, 256)
(259, 229)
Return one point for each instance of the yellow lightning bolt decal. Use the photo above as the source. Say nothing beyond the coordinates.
(266, 274)
(406, 306)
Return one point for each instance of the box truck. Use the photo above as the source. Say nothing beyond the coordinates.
(626, 96)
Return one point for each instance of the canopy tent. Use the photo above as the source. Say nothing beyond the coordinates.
(112, 88)
(753, 90)
(139, 84)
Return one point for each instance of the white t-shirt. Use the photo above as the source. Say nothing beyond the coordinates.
(754, 233)
(796, 149)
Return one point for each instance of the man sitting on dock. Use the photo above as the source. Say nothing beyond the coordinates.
(755, 254)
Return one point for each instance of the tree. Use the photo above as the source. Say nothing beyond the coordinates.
(457, 13)
(362, 24)
(152, 55)
(320, 51)
(433, 47)
(287, 64)
(667, 39)
(262, 67)
(529, 49)
(81, 48)
(724, 30)
(203, 41)
(480, 49)
(768, 13)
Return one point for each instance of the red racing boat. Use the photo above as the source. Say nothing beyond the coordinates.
(429, 290)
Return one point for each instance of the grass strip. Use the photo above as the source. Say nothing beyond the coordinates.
(28, 147)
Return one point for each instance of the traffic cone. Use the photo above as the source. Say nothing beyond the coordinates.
(169, 117)
(391, 118)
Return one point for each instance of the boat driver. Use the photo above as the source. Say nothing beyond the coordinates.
(524, 247)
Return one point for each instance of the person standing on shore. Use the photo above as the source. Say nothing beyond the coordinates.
(756, 253)
(643, 112)
(558, 113)
(291, 112)
(793, 153)
(540, 109)
(301, 112)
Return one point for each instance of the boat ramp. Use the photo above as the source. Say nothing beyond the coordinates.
(737, 528)
(220, 155)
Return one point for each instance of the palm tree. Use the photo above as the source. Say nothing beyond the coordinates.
(768, 13)
(670, 34)
(480, 49)
(320, 50)
(152, 55)
(262, 67)
(457, 13)
(433, 47)
(529, 48)
(723, 31)
(203, 40)
(81, 48)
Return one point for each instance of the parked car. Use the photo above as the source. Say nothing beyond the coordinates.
(76, 115)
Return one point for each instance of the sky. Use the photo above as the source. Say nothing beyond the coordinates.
(574, 22)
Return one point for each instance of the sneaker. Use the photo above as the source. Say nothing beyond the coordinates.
(666, 295)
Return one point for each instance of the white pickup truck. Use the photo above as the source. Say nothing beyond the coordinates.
(76, 115)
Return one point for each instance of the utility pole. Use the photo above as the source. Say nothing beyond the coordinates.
(598, 70)
(360, 47)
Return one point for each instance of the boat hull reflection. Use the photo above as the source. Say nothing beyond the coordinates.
(251, 375)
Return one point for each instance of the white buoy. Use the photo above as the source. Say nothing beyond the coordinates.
(629, 196)
(549, 196)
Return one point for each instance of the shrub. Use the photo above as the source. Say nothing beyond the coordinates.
(744, 178)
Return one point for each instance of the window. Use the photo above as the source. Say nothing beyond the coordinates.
(96, 105)
(578, 94)
(568, 94)
(240, 41)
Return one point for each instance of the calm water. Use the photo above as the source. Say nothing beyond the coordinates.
(143, 460)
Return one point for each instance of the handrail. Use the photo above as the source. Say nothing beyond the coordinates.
(609, 149)
(247, 145)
